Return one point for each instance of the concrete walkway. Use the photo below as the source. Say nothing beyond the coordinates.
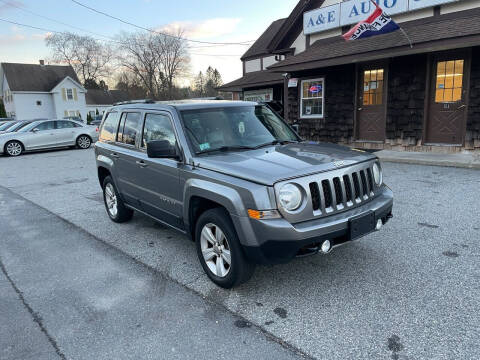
(461, 160)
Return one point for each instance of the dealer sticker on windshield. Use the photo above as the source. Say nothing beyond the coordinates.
(204, 146)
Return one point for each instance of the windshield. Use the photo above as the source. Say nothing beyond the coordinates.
(29, 126)
(18, 126)
(7, 125)
(235, 128)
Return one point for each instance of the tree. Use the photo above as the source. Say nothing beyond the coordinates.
(89, 58)
(89, 119)
(3, 113)
(155, 60)
(206, 85)
(131, 84)
(199, 85)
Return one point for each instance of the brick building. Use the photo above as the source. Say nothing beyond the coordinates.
(377, 92)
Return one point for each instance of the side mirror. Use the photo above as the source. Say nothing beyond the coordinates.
(162, 149)
(296, 127)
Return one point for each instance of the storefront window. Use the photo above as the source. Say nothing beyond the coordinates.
(449, 81)
(312, 103)
(373, 87)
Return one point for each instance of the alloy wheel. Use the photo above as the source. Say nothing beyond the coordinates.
(14, 149)
(111, 200)
(216, 250)
(84, 142)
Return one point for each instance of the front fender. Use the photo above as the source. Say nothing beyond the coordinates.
(226, 196)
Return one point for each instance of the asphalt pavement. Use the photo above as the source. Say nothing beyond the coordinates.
(410, 291)
(67, 295)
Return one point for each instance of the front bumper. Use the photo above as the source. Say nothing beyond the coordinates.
(278, 241)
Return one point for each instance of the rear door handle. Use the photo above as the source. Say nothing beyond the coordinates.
(141, 163)
(114, 155)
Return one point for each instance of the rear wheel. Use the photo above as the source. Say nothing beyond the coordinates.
(220, 251)
(84, 142)
(13, 148)
(116, 209)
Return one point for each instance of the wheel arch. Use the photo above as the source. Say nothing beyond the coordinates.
(201, 196)
(103, 172)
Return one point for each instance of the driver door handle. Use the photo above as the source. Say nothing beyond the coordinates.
(141, 163)
(114, 155)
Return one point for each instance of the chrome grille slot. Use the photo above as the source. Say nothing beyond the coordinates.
(315, 193)
(348, 188)
(370, 179)
(327, 193)
(364, 183)
(338, 190)
(356, 185)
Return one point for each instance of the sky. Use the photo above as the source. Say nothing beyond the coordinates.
(206, 20)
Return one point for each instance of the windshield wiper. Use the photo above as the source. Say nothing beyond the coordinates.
(275, 142)
(225, 148)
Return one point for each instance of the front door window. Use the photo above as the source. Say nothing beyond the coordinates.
(373, 87)
(449, 81)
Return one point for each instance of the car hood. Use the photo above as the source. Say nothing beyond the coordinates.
(276, 163)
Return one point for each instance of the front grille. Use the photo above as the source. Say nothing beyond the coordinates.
(343, 191)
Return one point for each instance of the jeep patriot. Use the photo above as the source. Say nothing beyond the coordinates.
(239, 181)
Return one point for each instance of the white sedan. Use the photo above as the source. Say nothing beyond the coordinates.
(48, 134)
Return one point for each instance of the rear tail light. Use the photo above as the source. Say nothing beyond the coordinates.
(96, 129)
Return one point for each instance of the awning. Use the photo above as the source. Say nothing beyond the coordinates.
(253, 79)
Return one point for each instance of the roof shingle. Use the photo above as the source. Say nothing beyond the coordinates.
(32, 77)
(260, 46)
(105, 97)
(423, 33)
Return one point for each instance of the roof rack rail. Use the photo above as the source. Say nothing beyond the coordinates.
(143, 101)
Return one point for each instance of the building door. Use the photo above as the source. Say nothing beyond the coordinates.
(371, 109)
(447, 103)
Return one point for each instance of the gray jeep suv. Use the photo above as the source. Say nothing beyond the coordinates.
(237, 180)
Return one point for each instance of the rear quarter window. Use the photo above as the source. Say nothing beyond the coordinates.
(110, 127)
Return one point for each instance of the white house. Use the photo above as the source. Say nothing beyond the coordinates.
(33, 91)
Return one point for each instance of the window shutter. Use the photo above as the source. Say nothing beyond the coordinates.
(75, 94)
(66, 112)
(64, 95)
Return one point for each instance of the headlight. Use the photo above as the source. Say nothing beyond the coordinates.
(290, 197)
(377, 174)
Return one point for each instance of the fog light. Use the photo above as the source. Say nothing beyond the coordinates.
(326, 247)
(379, 224)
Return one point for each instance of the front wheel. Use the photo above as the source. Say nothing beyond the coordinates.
(220, 251)
(116, 209)
(84, 142)
(13, 148)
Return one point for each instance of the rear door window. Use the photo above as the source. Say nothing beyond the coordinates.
(64, 124)
(110, 127)
(129, 126)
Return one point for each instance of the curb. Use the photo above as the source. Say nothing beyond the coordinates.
(475, 166)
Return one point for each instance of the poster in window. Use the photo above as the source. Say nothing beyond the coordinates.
(308, 110)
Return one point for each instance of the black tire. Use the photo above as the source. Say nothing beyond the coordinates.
(13, 148)
(122, 213)
(240, 270)
(84, 142)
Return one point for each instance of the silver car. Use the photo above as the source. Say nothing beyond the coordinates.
(48, 134)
